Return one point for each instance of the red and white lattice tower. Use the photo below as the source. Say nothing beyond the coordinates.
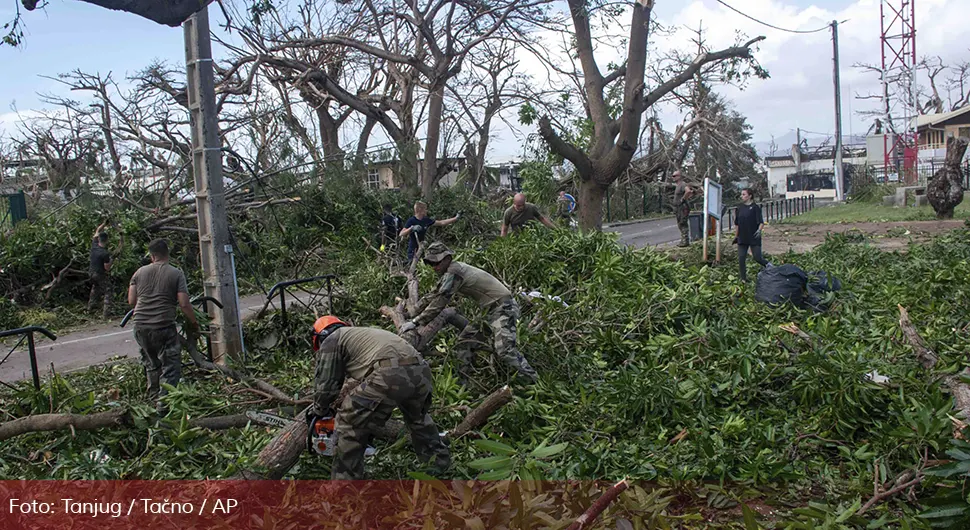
(899, 97)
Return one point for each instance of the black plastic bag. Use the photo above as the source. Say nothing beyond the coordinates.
(819, 285)
(780, 284)
(789, 283)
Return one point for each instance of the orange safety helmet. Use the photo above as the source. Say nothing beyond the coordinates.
(321, 327)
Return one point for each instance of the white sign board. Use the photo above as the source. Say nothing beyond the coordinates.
(712, 198)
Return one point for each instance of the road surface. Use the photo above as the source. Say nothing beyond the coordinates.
(109, 341)
(653, 232)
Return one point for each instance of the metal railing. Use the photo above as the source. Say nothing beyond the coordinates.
(772, 210)
(27, 333)
(281, 287)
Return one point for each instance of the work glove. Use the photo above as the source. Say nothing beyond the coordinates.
(408, 326)
(419, 229)
(311, 418)
(735, 240)
(757, 234)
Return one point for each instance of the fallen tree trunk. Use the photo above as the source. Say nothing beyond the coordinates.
(59, 422)
(221, 423)
(478, 416)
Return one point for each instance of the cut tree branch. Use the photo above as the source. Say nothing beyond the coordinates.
(60, 422)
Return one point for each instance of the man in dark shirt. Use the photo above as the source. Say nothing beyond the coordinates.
(99, 269)
(748, 234)
(417, 227)
(520, 213)
(155, 291)
(391, 226)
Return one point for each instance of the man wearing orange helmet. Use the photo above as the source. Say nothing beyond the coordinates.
(393, 375)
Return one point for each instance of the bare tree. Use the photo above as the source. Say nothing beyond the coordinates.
(427, 43)
(958, 85)
(482, 95)
(616, 131)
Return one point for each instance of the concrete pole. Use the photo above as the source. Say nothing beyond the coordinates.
(838, 112)
(215, 249)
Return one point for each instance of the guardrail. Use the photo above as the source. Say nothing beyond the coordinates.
(281, 287)
(28, 333)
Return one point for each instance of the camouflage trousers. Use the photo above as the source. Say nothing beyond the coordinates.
(682, 213)
(100, 289)
(161, 354)
(369, 406)
(502, 320)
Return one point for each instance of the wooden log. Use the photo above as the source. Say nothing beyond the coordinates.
(477, 417)
(59, 422)
(598, 507)
(221, 423)
(282, 452)
(927, 358)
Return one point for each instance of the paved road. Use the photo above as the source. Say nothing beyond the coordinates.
(654, 232)
(89, 347)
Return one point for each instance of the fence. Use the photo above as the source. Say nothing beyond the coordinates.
(627, 202)
(771, 210)
(28, 335)
(917, 176)
(13, 209)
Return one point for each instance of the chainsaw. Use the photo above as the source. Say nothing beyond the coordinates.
(323, 435)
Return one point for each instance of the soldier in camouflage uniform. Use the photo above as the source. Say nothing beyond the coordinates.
(392, 374)
(682, 194)
(491, 295)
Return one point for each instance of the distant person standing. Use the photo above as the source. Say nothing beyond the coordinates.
(100, 268)
(416, 228)
(682, 195)
(390, 225)
(748, 232)
(565, 205)
(520, 213)
(155, 291)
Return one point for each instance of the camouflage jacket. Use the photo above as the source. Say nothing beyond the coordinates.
(467, 280)
(352, 352)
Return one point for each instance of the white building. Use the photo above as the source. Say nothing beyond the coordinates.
(802, 173)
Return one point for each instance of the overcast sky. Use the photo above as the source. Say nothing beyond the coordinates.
(72, 34)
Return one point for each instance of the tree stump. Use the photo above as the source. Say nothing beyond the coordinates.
(945, 189)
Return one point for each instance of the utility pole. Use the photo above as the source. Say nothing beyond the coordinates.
(838, 112)
(219, 275)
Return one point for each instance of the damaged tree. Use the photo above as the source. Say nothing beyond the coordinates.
(615, 133)
(945, 190)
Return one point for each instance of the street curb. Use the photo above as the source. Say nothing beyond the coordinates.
(638, 221)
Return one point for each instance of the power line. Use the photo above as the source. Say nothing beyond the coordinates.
(823, 28)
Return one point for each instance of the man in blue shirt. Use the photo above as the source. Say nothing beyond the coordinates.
(564, 208)
(417, 227)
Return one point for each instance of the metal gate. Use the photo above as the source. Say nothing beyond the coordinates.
(13, 209)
